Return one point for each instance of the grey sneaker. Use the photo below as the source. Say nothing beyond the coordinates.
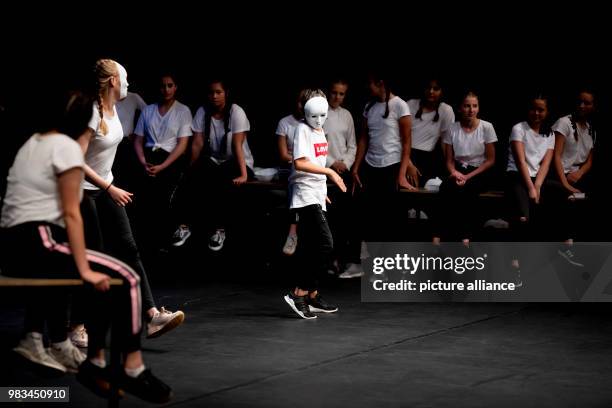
(215, 243)
(352, 271)
(180, 235)
(33, 349)
(70, 356)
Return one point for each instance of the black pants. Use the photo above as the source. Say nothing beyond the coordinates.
(107, 229)
(520, 205)
(38, 250)
(315, 248)
(430, 164)
(126, 167)
(154, 201)
(378, 202)
(456, 211)
(207, 193)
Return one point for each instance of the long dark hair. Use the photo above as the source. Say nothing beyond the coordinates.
(209, 109)
(426, 86)
(388, 84)
(589, 120)
(546, 126)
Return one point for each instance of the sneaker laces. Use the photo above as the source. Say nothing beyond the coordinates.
(180, 232)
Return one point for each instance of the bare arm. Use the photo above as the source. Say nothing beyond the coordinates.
(559, 147)
(487, 164)
(362, 148)
(197, 146)
(408, 176)
(303, 164)
(139, 149)
(285, 155)
(518, 150)
(237, 141)
(69, 184)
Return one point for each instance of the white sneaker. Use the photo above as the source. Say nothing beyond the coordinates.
(290, 244)
(180, 235)
(32, 348)
(68, 355)
(412, 213)
(422, 215)
(352, 271)
(215, 243)
(79, 337)
(163, 322)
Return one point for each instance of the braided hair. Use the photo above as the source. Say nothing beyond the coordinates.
(588, 120)
(104, 70)
(428, 85)
(387, 85)
(226, 112)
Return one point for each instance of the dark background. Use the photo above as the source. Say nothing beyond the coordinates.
(504, 53)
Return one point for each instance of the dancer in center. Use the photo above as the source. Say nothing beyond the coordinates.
(308, 186)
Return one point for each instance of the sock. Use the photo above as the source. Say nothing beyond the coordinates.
(98, 362)
(134, 372)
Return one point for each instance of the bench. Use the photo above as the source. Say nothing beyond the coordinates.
(10, 282)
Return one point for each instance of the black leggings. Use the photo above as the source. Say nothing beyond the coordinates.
(38, 250)
(520, 205)
(107, 229)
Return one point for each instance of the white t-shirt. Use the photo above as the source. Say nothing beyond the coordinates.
(285, 128)
(102, 148)
(162, 132)
(469, 148)
(32, 192)
(308, 188)
(385, 145)
(340, 131)
(126, 108)
(426, 132)
(536, 147)
(574, 152)
(238, 123)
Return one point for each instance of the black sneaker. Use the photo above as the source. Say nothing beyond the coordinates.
(146, 386)
(96, 379)
(299, 306)
(215, 243)
(570, 257)
(181, 235)
(319, 305)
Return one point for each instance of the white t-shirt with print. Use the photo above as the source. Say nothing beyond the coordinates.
(127, 108)
(469, 148)
(308, 188)
(574, 152)
(385, 145)
(285, 128)
(536, 146)
(426, 132)
(238, 123)
(340, 132)
(32, 192)
(163, 132)
(102, 148)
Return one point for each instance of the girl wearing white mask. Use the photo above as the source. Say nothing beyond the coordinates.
(308, 186)
(106, 223)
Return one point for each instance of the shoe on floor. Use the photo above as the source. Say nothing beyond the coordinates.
(352, 271)
(298, 305)
(67, 355)
(215, 243)
(319, 305)
(290, 244)
(96, 379)
(570, 257)
(146, 386)
(163, 322)
(180, 235)
(31, 348)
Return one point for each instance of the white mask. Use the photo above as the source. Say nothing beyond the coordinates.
(315, 112)
(123, 81)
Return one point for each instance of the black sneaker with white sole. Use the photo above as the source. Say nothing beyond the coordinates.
(298, 305)
(570, 257)
(319, 305)
(146, 386)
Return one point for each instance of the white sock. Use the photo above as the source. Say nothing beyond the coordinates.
(63, 345)
(134, 372)
(98, 362)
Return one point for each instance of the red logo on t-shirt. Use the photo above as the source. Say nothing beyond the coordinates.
(320, 149)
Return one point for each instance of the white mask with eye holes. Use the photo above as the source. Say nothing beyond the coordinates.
(315, 112)
(123, 90)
